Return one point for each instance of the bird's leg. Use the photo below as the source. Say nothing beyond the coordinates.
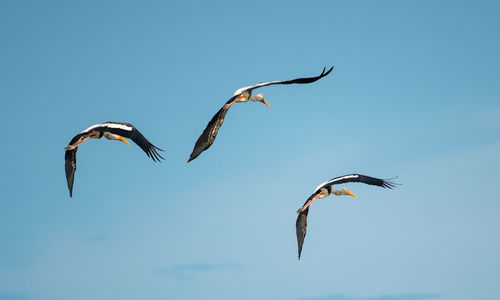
(75, 145)
(309, 203)
(238, 99)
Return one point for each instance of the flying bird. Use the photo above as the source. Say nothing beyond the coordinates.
(112, 131)
(324, 190)
(243, 94)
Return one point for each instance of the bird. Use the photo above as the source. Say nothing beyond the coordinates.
(112, 131)
(243, 94)
(324, 190)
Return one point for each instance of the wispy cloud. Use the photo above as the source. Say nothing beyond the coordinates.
(184, 271)
(382, 297)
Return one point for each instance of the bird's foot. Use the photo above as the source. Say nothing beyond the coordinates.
(75, 145)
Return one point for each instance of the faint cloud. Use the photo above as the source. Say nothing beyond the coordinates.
(382, 297)
(186, 271)
(15, 296)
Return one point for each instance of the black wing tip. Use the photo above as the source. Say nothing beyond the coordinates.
(389, 183)
(299, 254)
(70, 185)
(152, 153)
(194, 155)
(323, 74)
(158, 156)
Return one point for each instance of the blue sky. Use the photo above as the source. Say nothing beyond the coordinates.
(414, 94)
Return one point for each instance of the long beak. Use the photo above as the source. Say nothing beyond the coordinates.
(350, 194)
(265, 102)
(123, 140)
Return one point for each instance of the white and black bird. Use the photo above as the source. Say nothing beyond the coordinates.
(112, 131)
(243, 94)
(324, 190)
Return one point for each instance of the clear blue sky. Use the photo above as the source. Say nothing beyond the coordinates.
(415, 93)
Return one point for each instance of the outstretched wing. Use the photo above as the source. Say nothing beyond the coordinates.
(70, 167)
(297, 80)
(208, 136)
(385, 183)
(129, 131)
(301, 223)
(301, 228)
(70, 163)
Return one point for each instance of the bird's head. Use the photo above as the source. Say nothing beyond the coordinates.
(345, 191)
(260, 98)
(116, 137)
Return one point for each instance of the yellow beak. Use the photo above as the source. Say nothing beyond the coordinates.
(123, 140)
(265, 102)
(350, 194)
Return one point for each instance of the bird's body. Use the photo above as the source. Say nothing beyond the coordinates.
(324, 190)
(243, 94)
(111, 131)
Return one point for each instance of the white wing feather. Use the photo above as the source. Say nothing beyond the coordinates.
(332, 181)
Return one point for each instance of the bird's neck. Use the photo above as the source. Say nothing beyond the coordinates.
(255, 98)
(338, 192)
(109, 136)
